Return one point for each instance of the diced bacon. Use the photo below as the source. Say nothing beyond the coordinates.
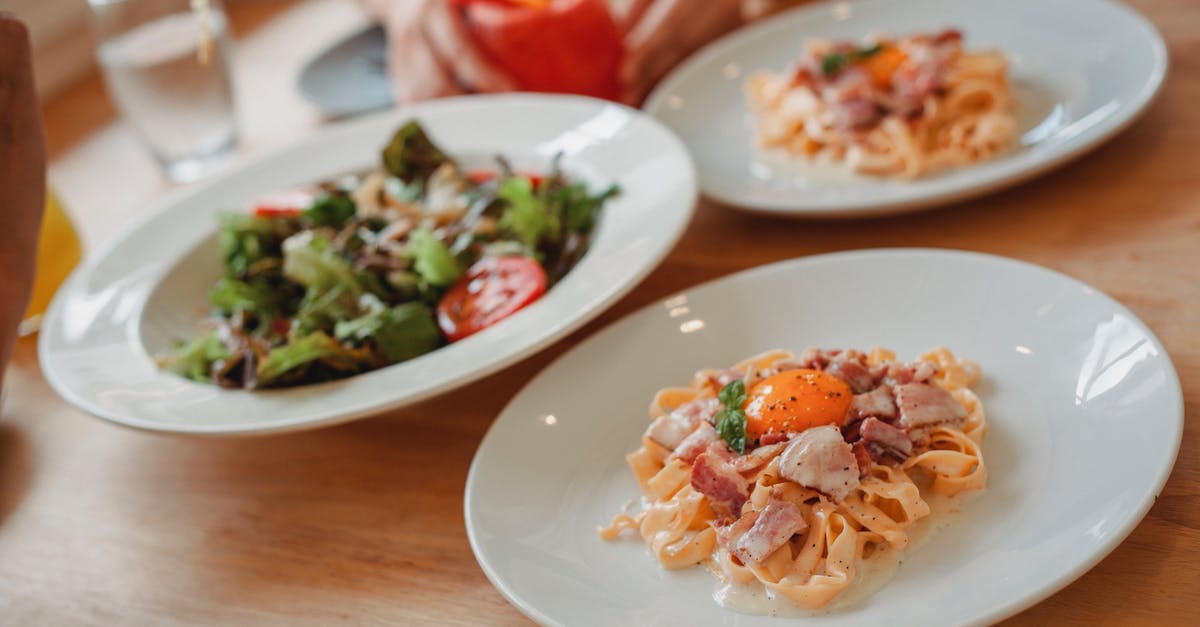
(854, 372)
(728, 533)
(851, 430)
(696, 442)
(759, 457)
(715, 477)
(949, 36)
(820, 459)
(863, 457)
(915, 372)
(925, 405)
(772, 528)
(669, 430)
(774, 437)
(856, 113)
(878, 403)
(817, 358)
(882, 439)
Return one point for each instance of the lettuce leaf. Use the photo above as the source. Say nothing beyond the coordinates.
(431, 259)
(256, 297)
(525, 216)
(311, 261)
(196, 358)
(401, 332)
(411, 155)
(307, 349)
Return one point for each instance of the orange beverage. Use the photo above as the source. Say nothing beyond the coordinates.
(59, 251)
(565, 46)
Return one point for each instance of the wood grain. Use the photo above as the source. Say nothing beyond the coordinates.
(362, 523)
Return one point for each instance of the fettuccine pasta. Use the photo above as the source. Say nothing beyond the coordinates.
(840, 452)
(891, 108)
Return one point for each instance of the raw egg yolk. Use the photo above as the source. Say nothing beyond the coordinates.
(795, 400)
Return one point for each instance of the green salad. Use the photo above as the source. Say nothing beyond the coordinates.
(368, 270)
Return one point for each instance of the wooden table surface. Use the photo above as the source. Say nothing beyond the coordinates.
(362, 523)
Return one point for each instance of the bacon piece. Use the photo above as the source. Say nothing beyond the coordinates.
(728, 533)
(863, 457)
(772, 528)
(851, 431)
(696, 442)
(669, 430)
(878, 403)
(759, 457)
(820, 459)
(854, 372)
(924, 405)
(856, 113)
(915, 372)
(715, 477)
(817, 358)
(774, 437)
(882, 439)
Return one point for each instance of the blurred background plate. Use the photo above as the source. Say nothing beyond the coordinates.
(1081, 70)
(351, 77)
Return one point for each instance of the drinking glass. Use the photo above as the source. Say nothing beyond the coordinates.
(166, 63)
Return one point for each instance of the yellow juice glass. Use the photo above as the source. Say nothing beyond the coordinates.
(59, 251)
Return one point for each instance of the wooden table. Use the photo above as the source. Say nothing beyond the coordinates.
(362, 523)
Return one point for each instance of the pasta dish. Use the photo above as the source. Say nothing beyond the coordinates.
(790, 474)
(899, 108)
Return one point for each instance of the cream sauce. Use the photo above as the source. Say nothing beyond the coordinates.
(870, 574)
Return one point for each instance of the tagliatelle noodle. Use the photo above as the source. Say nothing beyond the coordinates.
(814, 567)
(969, 120)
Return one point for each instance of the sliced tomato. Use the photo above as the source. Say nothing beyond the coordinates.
(482, 176)
(285, 204)
(491, 290)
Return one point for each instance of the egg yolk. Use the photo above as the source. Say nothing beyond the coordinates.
(795, 400)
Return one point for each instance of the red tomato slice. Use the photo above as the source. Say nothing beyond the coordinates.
(285, 204)
(482, 176)
(491, 290)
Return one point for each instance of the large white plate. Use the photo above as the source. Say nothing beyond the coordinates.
(1084, 410)
(1082, 70)
(149, 287)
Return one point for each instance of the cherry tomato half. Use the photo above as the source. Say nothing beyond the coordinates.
(479, 177)
(285, 204)
(491, 290)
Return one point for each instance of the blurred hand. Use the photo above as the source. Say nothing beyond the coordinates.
(661, 33)
(431, 53)
(22, 179)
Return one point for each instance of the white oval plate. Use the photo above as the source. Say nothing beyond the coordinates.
(1085, 416)
(1082, 70)
(150, 286)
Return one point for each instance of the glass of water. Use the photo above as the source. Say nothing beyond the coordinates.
(167, 67)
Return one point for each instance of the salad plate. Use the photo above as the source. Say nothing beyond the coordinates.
(142, 296)
(1080, 71)
(1070, 376)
